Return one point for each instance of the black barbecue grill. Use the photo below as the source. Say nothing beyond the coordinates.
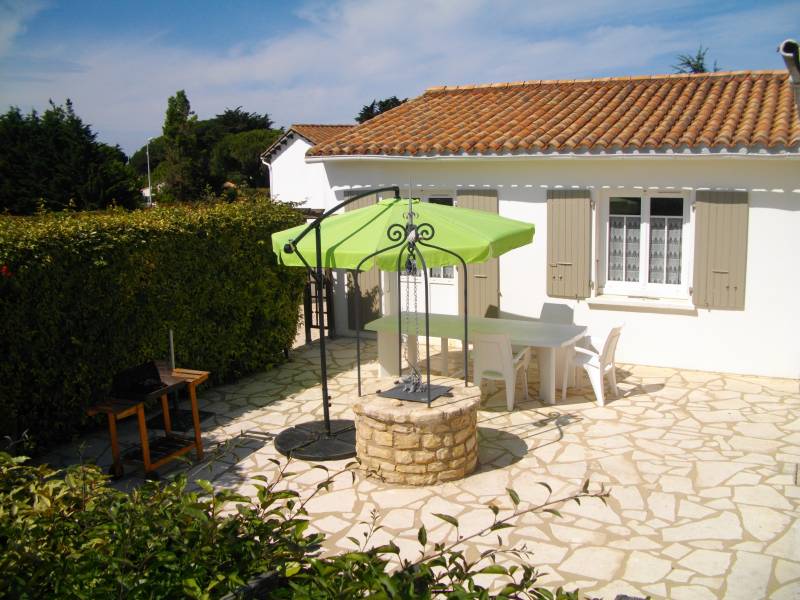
(144, 383)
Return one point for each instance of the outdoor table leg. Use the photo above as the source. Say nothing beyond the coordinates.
(143, 437)
(198, 440)
(445, 356)
(387, 354)
(561, 360)
(165, 414)
(547, 374)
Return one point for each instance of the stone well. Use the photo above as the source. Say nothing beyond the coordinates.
(409, 443)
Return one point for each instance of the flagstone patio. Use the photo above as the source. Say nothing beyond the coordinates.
(703, 471)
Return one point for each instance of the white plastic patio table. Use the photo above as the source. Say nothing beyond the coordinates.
(545, 337)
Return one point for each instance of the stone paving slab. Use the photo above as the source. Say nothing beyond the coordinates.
(703, 471)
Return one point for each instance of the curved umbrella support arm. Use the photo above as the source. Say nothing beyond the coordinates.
(466, 318)
(292, 246)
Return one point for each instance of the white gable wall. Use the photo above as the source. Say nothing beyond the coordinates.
(763, 339)
(294, 180)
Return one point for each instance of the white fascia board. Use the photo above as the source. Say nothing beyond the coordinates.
(280, 145)
(560, 156)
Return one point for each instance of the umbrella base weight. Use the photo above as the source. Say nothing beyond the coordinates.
(399, 392)
(309, 441)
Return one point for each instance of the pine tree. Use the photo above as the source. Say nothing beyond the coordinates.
(53, 161)
(376, 107)
(180, 171)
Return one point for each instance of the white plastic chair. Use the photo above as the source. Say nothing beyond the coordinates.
(597, 364)
(493, 358)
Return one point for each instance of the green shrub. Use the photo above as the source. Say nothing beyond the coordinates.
(84, 295)
(69, 535)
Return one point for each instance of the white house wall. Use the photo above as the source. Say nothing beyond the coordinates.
(763, 339)
(294, 180)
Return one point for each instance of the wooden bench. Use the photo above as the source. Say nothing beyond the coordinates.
(164, 449)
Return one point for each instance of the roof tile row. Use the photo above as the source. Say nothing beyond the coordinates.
(733, 110)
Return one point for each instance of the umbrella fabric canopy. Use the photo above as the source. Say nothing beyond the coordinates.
(349, 237)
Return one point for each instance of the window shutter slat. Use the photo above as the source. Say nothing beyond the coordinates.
(720, 258)
(569, 240)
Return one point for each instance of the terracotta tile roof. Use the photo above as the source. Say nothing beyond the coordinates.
(750, 110)
(318, 134)
(314, 133)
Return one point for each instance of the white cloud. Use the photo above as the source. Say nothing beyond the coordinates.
(345, 54)
(13, 15)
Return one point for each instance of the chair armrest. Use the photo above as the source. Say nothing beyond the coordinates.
(586, 351)
(522, 355)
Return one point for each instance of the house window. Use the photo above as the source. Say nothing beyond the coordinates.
(447, 272)
(624, 235)
(646, 244)
(666, 235)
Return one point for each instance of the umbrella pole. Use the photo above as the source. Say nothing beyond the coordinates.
(358, 328)
(323, 357)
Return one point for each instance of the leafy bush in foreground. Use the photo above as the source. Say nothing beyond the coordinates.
(85, 295)
(67, 534)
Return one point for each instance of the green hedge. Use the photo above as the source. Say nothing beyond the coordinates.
(85, 295)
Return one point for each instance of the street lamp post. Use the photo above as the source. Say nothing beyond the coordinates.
(149, 181)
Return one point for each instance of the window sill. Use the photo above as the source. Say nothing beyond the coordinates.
(642, 304)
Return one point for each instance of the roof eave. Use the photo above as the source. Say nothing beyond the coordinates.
(760, 152)
(277, 145)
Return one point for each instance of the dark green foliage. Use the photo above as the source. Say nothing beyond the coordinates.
(138, 161)
(236, 120)
(226, 147)
(69, 535)
(376, 107)
(694, 63)
(52, 161)
(237, 157)
(181, 170)
(84, 295)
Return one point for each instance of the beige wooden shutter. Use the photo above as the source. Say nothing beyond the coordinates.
(369, 282)
(483, 279)
(569, 243)
(720, 249)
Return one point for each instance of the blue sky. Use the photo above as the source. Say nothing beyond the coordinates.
(313, 61)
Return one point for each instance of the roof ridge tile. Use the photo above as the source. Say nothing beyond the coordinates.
(472, 86)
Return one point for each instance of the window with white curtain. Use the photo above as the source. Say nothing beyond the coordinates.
(446, 272)
(645, 250)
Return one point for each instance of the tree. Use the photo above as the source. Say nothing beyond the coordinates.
(54, 161)
(696, 63)
(376, 107)
(237, 120)
(216, 166)
(138, 161)
(237, 157)
(180, 172)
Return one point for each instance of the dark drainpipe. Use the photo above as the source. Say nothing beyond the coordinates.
(790, 51)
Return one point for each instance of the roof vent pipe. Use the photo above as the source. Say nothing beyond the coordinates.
(790, 51)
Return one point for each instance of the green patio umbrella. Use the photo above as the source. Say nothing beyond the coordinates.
(348, 238)
(396, 235)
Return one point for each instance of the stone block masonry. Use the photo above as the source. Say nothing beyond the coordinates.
(411, 444)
